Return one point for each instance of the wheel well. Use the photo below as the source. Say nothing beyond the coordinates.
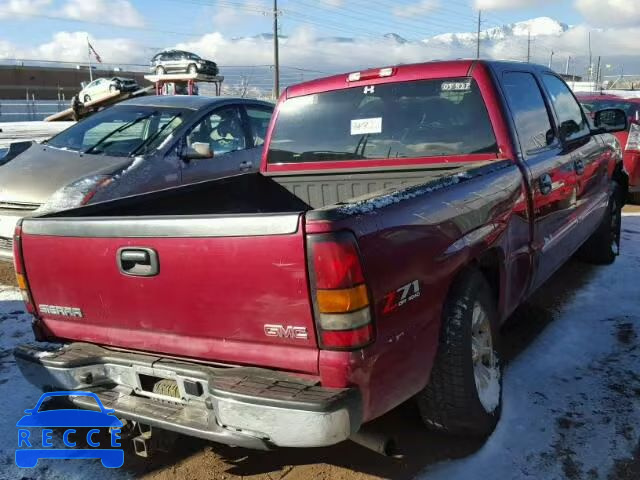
(622, 179)
(489, 266)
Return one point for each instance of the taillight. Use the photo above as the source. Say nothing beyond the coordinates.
(633, 144)
(21, 276)
(340, 295)
(371, 74)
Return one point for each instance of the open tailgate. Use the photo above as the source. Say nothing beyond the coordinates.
(227, 289)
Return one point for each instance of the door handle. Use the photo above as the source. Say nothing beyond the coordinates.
(246, 165)
(579, 166)
(138, 262)
(546, 184)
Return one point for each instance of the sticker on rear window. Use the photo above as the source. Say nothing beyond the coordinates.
(365, 126)
(456, 86)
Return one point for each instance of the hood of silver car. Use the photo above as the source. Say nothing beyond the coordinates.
(37, 173)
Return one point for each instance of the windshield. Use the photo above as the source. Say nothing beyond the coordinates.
(399, 120)
(122, 131)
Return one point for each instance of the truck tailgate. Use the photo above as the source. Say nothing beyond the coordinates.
(221, 281)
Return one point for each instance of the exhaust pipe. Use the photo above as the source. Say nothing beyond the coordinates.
(377, 442)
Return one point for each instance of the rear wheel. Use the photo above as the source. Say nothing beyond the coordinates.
(604, 245)
(464, 394)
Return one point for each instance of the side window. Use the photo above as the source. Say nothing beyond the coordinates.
(222, 130)
(259, 118)
(529, 111)
(572, 123)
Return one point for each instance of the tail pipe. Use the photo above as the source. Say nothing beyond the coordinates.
(377, 442)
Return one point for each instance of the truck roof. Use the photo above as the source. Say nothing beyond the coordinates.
(409, 72)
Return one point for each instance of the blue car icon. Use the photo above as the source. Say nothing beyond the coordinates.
(68, 419)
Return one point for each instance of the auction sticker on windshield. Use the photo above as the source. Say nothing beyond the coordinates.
(56, 434)
(365, 126)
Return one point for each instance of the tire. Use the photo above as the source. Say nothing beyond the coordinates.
(603, 246)
(454, 401)
(634, 198)
(160, 70)
(87, 99)
(192, 69)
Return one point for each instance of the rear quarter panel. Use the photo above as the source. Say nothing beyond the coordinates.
(428, 239)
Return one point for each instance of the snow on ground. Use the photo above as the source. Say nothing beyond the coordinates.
(572, 398)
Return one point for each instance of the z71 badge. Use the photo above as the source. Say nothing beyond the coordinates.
(402, 296)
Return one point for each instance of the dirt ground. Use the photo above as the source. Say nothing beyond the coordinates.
(194, 459)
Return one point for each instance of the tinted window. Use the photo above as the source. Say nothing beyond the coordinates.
(529, 111)
(572, 123)
(222, 130)
(259, 118)
(396, 120)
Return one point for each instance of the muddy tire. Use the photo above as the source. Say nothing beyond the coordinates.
(464, 394)
(603, 246)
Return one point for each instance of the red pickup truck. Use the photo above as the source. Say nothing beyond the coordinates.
(400, 216)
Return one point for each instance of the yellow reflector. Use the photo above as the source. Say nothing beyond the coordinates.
(342, 301)
(22, 282)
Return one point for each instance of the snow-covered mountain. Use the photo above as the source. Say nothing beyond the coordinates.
(537, 27)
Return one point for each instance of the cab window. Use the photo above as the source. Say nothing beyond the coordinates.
(571, 121)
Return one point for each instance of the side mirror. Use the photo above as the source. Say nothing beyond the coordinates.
(611, 120)
(198, 151)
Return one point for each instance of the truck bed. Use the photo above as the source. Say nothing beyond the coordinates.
(257, 193)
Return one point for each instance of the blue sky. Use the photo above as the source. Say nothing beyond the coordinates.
(131, 31)
(197, 17)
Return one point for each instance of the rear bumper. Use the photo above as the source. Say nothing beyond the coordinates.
(247, 407)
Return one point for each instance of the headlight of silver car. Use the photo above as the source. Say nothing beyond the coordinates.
(75, 195)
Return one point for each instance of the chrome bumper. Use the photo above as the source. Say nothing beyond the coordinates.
(247, 407)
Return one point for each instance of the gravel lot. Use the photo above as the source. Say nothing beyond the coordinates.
(572, 401)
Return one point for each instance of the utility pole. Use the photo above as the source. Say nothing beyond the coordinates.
(551, 59)
(566, 70)
(276, 53)
(529, 47)
(479, 27)
(598, 73)
(590, 60)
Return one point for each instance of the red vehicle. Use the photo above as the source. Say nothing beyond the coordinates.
(630, 140)
(400, 216)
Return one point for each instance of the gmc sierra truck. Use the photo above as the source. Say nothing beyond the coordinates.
(400, 215)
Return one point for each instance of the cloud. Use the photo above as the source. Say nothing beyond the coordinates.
(72, 47)
(228, 17)
(22, 7)
(121, 12)
(610, 12)
(507, 4)
(421, 8)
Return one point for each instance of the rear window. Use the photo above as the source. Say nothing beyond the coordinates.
(426, 118)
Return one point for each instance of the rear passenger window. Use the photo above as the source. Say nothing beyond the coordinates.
(259, 119)
(572, 123)
(529, 111)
